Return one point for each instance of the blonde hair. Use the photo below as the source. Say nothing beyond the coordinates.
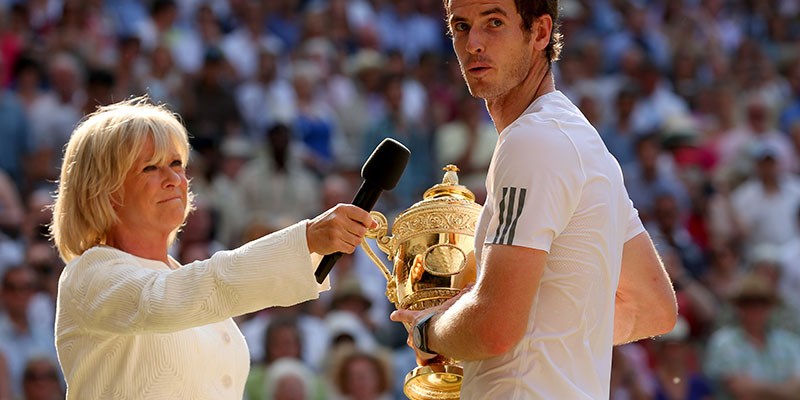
(101, 151)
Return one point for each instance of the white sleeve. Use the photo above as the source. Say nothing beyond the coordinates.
(111, 291)
(537, 178)
(635, 225)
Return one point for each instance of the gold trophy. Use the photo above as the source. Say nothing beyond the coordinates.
(433, 252)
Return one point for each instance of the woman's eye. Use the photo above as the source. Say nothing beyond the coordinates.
(149, 168)
(176, 163)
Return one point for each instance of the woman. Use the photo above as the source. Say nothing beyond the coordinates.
(131, 321)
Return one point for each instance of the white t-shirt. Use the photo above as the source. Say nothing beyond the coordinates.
(553, 186)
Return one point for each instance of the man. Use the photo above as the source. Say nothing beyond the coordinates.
(566, 267)
(752, 359)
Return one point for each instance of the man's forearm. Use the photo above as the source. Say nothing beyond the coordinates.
(460, 333)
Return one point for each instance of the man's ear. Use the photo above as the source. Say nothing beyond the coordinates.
(542, 30)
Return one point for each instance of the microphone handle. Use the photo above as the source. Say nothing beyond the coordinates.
(365, 198)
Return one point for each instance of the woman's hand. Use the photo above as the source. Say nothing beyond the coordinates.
(340, 229)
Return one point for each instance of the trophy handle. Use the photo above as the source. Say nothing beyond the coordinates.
(384, 243)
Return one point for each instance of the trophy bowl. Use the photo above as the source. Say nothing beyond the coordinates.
(432, 253)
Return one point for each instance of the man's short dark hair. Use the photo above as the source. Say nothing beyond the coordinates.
(530, 10)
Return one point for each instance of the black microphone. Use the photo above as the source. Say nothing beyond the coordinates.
(381, 172)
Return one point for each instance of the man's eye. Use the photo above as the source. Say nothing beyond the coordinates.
(495, 23)
(460, 27)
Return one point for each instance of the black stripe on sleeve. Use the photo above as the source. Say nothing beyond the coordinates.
(500, 215)
(520, 206)
(512, 197)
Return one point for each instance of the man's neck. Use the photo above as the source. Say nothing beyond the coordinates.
(507, 108)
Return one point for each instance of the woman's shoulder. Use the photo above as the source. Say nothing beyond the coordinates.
(99, 253)
(98, 257)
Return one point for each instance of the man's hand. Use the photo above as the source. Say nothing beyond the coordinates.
(339, 229)
(411, 318)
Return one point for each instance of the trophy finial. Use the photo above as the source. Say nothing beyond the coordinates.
(450, 175)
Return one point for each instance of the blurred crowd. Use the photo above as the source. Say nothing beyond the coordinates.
(699, 100)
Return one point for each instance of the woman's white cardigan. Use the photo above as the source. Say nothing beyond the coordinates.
(132, 328)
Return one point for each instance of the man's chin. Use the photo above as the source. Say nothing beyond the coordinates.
(482, 93)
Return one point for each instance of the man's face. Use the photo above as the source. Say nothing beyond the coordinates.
(495, 54)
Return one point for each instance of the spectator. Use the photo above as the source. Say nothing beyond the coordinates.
(162, 80)
(266, 99)
(629, 375)
(349, 297)
(724, 270)
(403, 27)
(286, 332)
(361, 105)
(282, 341)
(653, 174)
(205, 33)
(12, 213)
(764, 201)
(752, 359)
(676, 370)
(99, 90)
(160, 26)
(790, 114)
(670, 235)
(226, 195)
(359, 375)
(18, 144)
(5, 379)
(42, 380)
(617, 130)
(657, 102)
(54, 115)
(789, 286)
(696, 304)
(131, 64)
(29, 80)
(209, 107)
(277, 188)
(314, 125)
(21, 339)
(757, 130)
(240, 47)
(289, 379)
(394, 124)
(467, 142)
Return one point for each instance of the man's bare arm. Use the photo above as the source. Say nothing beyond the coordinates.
(491, 318)
(645, 304)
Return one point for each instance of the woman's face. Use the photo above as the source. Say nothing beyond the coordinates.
(154, 196)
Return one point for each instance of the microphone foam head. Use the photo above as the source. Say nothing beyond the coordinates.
(387, 162)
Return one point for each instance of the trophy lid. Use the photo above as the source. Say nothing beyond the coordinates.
(449, 186)
(445, 207)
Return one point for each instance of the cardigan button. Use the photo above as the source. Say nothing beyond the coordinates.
(227, 381)
(226, 337)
